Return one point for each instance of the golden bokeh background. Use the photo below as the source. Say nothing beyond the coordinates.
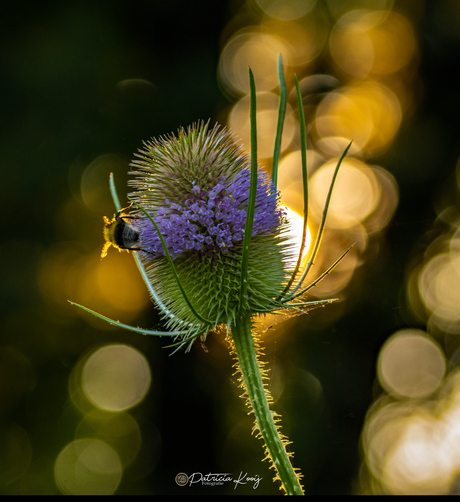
(368, 387)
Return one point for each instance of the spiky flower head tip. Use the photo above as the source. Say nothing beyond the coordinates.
(195, 186)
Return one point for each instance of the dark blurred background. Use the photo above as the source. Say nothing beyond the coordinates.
(367, 387)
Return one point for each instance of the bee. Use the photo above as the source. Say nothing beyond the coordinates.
(120, 233)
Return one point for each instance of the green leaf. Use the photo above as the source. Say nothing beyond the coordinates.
(127, 326)
(319, 279)
(303, 151)
(323, 221)
(280, 125)
(173, 269)
(154, 294)
(252, 195)
(161, 306)
(114, 193)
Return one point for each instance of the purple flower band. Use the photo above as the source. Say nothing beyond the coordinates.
(211, 219)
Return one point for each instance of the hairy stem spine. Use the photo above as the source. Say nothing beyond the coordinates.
(245, 350)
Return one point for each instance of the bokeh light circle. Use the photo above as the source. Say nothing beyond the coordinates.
(267, 117)
(286, 10)
(257, 50)
(120, 431)
(439, 289)
(15, 452)
(356, 192)
(303, 39)
(116, 377)
(95, 178)
(118, 284)
(378, 42)
(87, 467)
(368, 112)
(411, 364)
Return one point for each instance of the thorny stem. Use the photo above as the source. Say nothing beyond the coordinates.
(245, 350)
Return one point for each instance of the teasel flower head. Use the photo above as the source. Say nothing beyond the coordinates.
(195, 187)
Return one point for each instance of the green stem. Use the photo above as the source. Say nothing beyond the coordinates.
(246, 353)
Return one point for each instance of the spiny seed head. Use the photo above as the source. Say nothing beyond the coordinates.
(196, 186)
